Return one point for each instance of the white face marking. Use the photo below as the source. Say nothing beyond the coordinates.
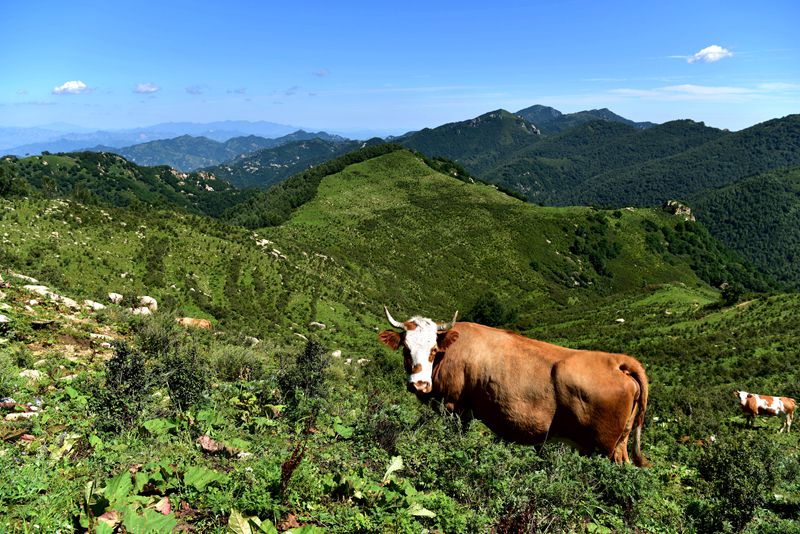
(743, 397)
(420, 341)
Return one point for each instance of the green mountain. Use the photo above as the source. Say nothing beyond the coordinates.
(266, 167)
(550, 120)
(566, 163)
(760, 217)
(478, 143)
(184, 153)
(199, 430)
(189, 153)
(720, 162)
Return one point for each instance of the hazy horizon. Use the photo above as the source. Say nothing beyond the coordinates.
(394, 69)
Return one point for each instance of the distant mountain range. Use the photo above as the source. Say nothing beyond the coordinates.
(188, 153)
(63, 138)
(266, 167)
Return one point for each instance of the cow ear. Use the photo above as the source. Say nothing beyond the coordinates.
(390, 338)
(446, 339)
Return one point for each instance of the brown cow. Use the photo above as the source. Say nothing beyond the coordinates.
(753, 405)
(526, 390)
(194, 323)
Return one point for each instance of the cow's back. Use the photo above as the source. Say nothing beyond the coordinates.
(503, 378)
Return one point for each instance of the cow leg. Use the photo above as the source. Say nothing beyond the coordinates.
(620, 453)
(787, 423)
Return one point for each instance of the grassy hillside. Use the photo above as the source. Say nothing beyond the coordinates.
(110, 179)
(335, 444)
(456, 235)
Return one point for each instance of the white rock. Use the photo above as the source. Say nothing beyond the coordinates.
(149, 302)
(26, 278)
(315, 324)
(4, 319)
(16, 416)
(100, 336)
(96, 306)
(32, 374)
(116, 298)
(40, 290)
(620, 320)
(72, 304)
(336, 354)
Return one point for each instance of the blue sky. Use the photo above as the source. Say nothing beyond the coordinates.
(394, 66)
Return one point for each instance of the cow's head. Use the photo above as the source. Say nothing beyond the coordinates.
(742, 396)
(422, 339)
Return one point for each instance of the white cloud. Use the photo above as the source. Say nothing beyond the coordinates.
(686, 92)
(195, 90)
(710, 54)
(146, 88)
(74, 87)
(322, 72)
(711, 93)
(706, 90)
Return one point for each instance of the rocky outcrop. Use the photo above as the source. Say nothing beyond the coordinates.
(680, 209)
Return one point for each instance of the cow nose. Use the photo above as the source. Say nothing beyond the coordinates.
(420, 386)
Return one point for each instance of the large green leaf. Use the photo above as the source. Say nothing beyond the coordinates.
(150, 522)
(199, 477)
(395, 464)
(118, 489)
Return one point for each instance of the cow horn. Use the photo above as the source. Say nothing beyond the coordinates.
(392, 321)
(448, 326)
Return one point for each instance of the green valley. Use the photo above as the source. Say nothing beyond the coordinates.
(289, 414)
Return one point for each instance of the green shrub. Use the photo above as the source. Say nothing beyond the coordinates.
(490, 310)
(305, 378)
(9, 373)
(233, 362)
(185, 374)
(119, 402)
(157, 335)
(741, 474)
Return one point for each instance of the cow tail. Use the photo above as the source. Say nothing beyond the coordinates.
(635, 369)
